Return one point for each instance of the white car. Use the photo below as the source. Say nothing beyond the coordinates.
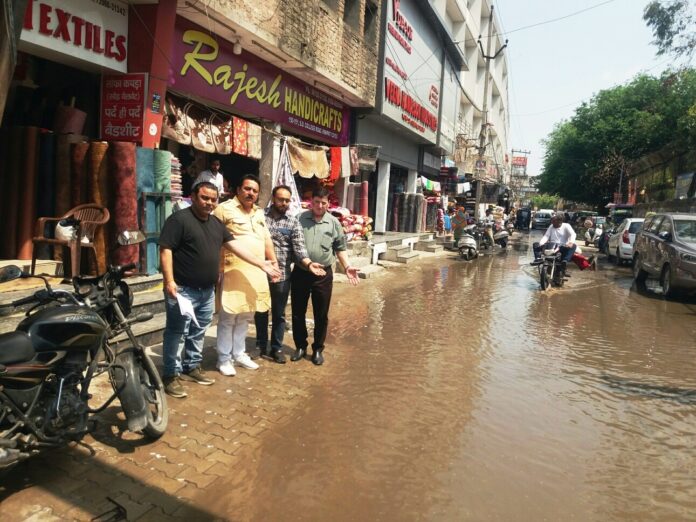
(620, 247)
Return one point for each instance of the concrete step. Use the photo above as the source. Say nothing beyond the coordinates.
(407, 257)
(355, 261)
(369, 271)
(444, 239)
(428, 245)
(393, 252)
(359, 248)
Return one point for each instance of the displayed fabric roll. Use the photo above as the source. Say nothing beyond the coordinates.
(350, 197)
(335, 171)
(147, 215)
(78, 173)
(345, 162)
(394, 225)
(63, 198)
(46, 180)
(69, 120)
(162, 179)
(402, 212)
(13, 173)
(26, 215)
(239, 141)
(98, 192)
(125, 215)
(364, 195)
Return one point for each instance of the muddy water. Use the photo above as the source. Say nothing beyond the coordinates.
(458, 391)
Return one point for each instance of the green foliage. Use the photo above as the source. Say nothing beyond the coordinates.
(544, 201)
(586, 155)
(673, 24)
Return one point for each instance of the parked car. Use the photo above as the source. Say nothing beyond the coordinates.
(542, 219)
(620, 244)
(665, 247)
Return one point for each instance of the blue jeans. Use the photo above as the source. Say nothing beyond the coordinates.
(279, 300)
(183, 341)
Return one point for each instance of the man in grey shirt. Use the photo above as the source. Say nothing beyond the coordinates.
(325, 241)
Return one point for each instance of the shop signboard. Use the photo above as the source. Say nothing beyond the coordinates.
(122, 106)
(412, 71)
(519, 161)
(205, 66)
(450, 109)
(78, 31)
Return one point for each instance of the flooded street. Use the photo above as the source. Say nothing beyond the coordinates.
(457, 391)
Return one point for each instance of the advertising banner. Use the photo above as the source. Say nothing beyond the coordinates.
(519, 161)
(205, 66)
(92, 31)
(122, 106)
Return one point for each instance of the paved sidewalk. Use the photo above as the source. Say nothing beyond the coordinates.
(215, 432)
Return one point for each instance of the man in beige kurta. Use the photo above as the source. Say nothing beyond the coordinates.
(244, 289)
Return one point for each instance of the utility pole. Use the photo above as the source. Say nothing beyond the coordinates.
(484, 120)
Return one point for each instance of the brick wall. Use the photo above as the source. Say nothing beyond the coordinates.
(314, 32)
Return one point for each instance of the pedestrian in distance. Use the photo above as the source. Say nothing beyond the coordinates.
(325, 242)
(289, 246)
(244, 287)
(190, 244)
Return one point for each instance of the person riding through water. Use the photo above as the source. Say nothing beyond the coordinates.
(560, 233)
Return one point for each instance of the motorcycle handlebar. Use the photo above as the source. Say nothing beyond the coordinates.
(36, 297)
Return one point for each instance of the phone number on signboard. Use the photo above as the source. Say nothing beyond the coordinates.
(116, 7)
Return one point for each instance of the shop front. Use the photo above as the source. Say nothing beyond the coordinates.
(418, 92)
(51, 151)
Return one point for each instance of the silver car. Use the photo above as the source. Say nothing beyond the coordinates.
(541, 219)
(666, 248)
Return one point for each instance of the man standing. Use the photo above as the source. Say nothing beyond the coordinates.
(325, 241)
(244, 287)
(213, 176)
(560, 233)
(190, 245)
(289, 245)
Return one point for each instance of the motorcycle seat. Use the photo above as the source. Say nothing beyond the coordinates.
(15, 347)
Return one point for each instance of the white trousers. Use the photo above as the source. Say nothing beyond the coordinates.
(231, 335)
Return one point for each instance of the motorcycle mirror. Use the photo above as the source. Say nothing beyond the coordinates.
(10, 273)
(130, 237)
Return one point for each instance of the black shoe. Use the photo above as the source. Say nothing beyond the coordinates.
(256, 352)
(299, 354)
(536, 262)
(317, 358)
(173, 387)
(279, 356)
(198, 376)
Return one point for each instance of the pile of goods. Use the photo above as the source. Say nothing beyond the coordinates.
(355, 226)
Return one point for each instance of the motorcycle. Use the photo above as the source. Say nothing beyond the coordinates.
(551, 268)
(469, 241)
(66, 340)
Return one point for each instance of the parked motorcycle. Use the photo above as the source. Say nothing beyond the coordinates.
(469, 241)
(593, 235)
(551, 267)
(67, 340)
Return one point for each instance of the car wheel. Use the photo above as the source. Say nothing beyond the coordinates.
(639, 275)
(667, 282)
(618, 258)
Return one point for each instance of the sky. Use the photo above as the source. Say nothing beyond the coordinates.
(557, 66)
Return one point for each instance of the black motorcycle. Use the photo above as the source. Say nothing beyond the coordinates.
(66, 340)
(552, 271)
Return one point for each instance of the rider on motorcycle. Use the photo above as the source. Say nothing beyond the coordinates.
(560, 233)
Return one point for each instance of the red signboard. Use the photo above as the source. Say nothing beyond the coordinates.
(519, 161)
(123, 106)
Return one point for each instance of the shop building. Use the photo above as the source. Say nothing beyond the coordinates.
(414, 121)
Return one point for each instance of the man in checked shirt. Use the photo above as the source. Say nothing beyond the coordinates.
(289, 245)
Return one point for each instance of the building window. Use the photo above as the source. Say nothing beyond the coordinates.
(351, 13)
(370, 22)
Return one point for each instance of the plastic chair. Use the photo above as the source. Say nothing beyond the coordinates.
(90, 217)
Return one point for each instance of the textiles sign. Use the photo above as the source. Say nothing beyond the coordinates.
(122, 106)
(207, 67)
(412, 71)
(93, 31)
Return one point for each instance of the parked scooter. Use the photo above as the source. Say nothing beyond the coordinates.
(593, 236)
(66, 340)
(551, 267)
(469, 241)
(500, 236)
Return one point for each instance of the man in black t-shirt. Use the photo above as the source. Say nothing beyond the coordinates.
(190, 244)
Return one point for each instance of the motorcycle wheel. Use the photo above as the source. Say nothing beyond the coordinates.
(543, 278)
(153, 392)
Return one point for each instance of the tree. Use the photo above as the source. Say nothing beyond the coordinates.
(544, 201)
(587, 154)
(673, 24)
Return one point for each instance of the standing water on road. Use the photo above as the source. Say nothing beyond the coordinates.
(460, 391)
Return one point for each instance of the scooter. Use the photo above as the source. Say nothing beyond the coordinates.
(500, 236)
(468, 244)
(593, 235)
